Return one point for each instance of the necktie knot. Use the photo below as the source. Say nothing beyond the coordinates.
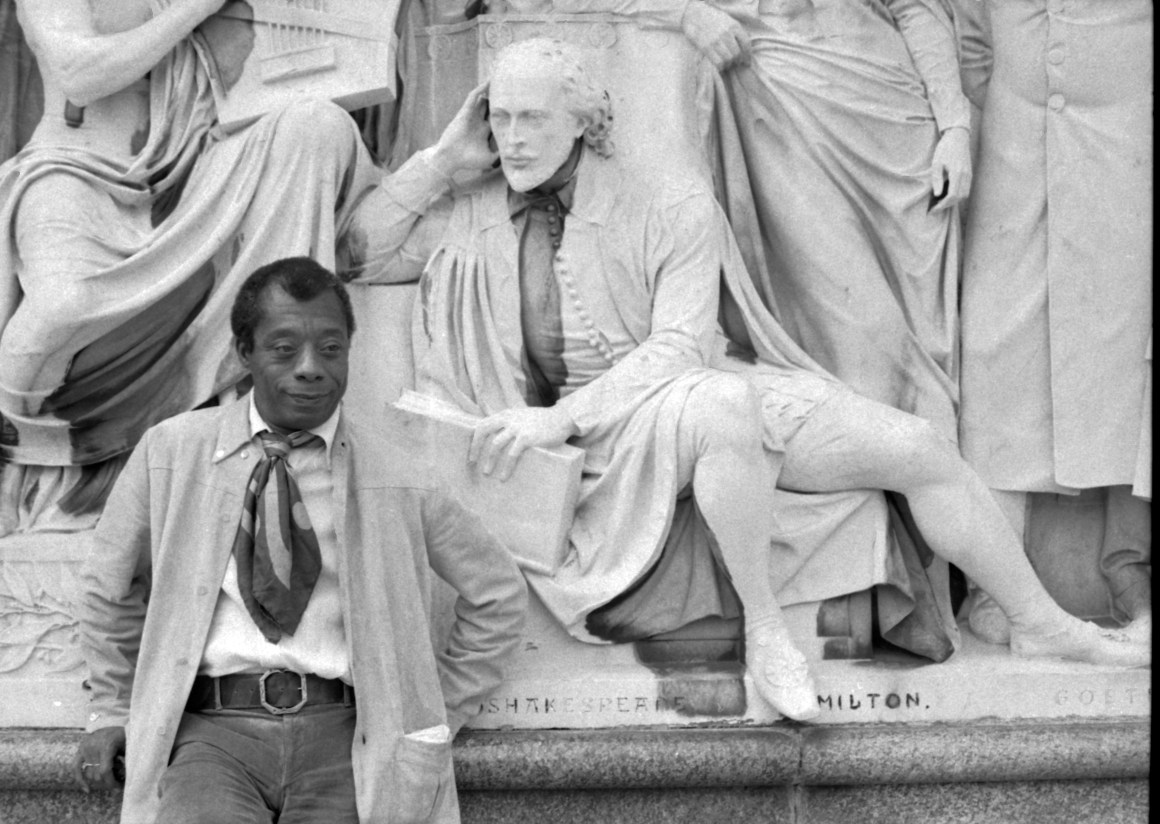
(279, 446)
(548, 203)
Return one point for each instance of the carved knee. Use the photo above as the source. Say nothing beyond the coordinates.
(314, 128)
(929, 453)
(727, 409)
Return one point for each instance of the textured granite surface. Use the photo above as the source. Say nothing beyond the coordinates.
(1041, 802)
(670, 805)
(598, 759)
(1046, 802)
(36, 759)
(980, 751)
(1087, 772)
(49, 807)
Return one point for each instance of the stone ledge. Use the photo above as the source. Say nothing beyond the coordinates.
(979, 751)
(780, 755)
(627, 758)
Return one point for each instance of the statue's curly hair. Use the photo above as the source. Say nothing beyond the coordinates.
(585, 99)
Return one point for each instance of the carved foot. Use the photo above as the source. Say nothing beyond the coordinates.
(988, 621)
(1131, 589)
(1139, 629)
(1078, 640)
(779, 671)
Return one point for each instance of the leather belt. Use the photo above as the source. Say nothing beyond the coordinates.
(278, 692)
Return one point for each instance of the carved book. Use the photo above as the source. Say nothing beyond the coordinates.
(268, 53)
(531, 512)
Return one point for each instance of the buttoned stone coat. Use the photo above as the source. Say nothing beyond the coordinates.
(152, 581)
(1057, 285)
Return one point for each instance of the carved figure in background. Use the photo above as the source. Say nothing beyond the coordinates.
(127, 221)
(21, 95)
(1057, 285)
(856, 139)
(337, 711)
(571, 297)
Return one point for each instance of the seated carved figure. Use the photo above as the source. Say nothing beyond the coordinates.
(127, 222)
(571, 297)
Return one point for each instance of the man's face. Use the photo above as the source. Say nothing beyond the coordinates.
(533, 128)
(299, 359)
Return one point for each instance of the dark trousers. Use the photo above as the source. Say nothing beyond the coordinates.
(241, 766)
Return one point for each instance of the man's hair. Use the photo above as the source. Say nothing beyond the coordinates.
(584, 98)
(302, 278)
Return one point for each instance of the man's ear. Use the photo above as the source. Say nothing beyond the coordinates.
(243, 350)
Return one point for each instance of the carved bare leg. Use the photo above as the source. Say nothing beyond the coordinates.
(720, 440)
(867, 444)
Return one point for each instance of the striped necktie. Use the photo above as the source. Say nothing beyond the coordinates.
(276, 549)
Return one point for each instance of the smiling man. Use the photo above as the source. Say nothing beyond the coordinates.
(252, 601)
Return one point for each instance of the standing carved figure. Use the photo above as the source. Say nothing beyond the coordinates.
(855, 134)
(1057, 284)
(128, 220)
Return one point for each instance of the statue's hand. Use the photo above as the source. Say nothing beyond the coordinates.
(466, 144)
(95, 763)
(717, 35)
(499, 440)
(950, 169)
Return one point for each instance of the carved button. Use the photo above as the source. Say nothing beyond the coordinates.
(202, 590)
(1056, 102)
(245, 454)
(552, 218)
(221, 453)
(1055, 56)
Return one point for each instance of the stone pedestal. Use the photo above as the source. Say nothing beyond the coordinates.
(1063, 772)
(559, 682)
(41, 670)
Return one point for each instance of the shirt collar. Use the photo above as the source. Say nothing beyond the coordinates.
(324, 430)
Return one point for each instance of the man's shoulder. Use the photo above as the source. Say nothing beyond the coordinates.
(191, 425)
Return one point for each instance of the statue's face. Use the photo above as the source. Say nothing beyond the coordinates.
(299, 359)
(533, 128)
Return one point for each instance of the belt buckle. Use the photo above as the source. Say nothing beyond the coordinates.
(270, 708)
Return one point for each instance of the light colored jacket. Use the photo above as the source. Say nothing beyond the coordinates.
(152, 581)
